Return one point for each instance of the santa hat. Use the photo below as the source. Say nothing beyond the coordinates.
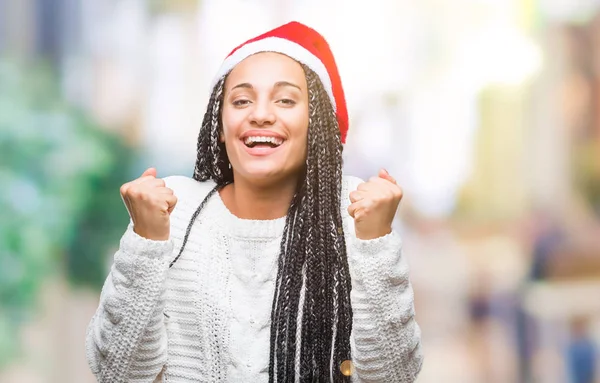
(304, 45)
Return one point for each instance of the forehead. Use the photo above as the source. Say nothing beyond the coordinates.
(267, 67)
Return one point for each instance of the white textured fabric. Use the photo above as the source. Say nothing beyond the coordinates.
(283, 46)
(207, 319)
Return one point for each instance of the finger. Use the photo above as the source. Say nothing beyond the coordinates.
(352, 209)
(171, 202)
(147, 182)
(126, 203)
(356, 196)
(374, 185)
(141, 180)
(149, 172)
(124, 188)
(143, 187)
(357, 209)
(123, 191)
(386, 176)
(154, 183)
(383, 181)
(129, 207)
(365, 186)
(165, 190)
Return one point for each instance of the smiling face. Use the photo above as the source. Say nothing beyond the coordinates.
(265, 118)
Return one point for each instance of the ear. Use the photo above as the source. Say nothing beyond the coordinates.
(221, 137)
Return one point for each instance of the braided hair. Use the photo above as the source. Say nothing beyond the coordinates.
(311, 317)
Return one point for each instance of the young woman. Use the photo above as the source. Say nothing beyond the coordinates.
(268, 265)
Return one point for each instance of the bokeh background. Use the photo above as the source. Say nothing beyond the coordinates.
(487, 111)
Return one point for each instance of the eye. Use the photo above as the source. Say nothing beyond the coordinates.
(287, 101)
(241, 102)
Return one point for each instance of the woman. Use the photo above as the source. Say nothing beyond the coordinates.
(268, 265)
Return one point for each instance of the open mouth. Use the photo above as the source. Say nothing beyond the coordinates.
(262, 142)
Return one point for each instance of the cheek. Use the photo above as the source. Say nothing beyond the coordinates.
(231, 118)
(298, 124)
(300, 132)
(227, 135)
(230, 125)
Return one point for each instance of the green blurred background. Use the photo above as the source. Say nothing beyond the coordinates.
(487, 111)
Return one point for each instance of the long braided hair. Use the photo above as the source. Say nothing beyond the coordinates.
(311, 317)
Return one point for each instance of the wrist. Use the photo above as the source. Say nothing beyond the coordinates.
(366, 235)
(148, 234)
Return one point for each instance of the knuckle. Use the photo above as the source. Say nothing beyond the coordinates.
(351, 211)
(158, 202)
(138, 194)
(373, 199)
(398, 192)
(133, 192)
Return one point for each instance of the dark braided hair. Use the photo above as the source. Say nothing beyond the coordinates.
(313, 285)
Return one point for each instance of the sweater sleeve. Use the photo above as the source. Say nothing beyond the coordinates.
(126, 339)
(385, 340)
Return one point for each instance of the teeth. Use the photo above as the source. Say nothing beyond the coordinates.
(255, 139)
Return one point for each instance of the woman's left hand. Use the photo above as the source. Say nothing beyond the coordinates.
(374, 205)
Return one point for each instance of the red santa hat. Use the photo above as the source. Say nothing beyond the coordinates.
(304, 45)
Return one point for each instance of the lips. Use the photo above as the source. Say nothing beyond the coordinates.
(261, 142)
(253, 141)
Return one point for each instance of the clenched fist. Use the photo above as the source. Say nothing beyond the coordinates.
(150, 204)
(374, 206)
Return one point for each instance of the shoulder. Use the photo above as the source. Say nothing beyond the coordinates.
(349, 184)
(184, 187)
(189, 193)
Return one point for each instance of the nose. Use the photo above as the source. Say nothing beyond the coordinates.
(262, 113)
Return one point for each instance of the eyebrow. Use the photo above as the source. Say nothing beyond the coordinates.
(278, 84)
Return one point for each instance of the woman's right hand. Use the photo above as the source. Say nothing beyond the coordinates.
(150, 204)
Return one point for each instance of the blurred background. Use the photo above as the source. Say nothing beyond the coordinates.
(486, 111)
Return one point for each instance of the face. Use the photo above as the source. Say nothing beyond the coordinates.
(265, 118)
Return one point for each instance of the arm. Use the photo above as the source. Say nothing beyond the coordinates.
(126, 339)
(385, 336)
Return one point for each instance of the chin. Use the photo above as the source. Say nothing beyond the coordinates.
(266, 173)
(261, 172)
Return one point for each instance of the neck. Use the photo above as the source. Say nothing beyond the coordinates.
(260, 202)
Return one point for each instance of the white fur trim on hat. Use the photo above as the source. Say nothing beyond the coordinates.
(283, 46)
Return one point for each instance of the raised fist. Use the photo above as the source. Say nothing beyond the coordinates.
(373, 206)
(150, 204)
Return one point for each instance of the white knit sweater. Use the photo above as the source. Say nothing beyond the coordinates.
(217, 300)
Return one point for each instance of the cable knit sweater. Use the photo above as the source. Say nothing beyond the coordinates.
(207, 319)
